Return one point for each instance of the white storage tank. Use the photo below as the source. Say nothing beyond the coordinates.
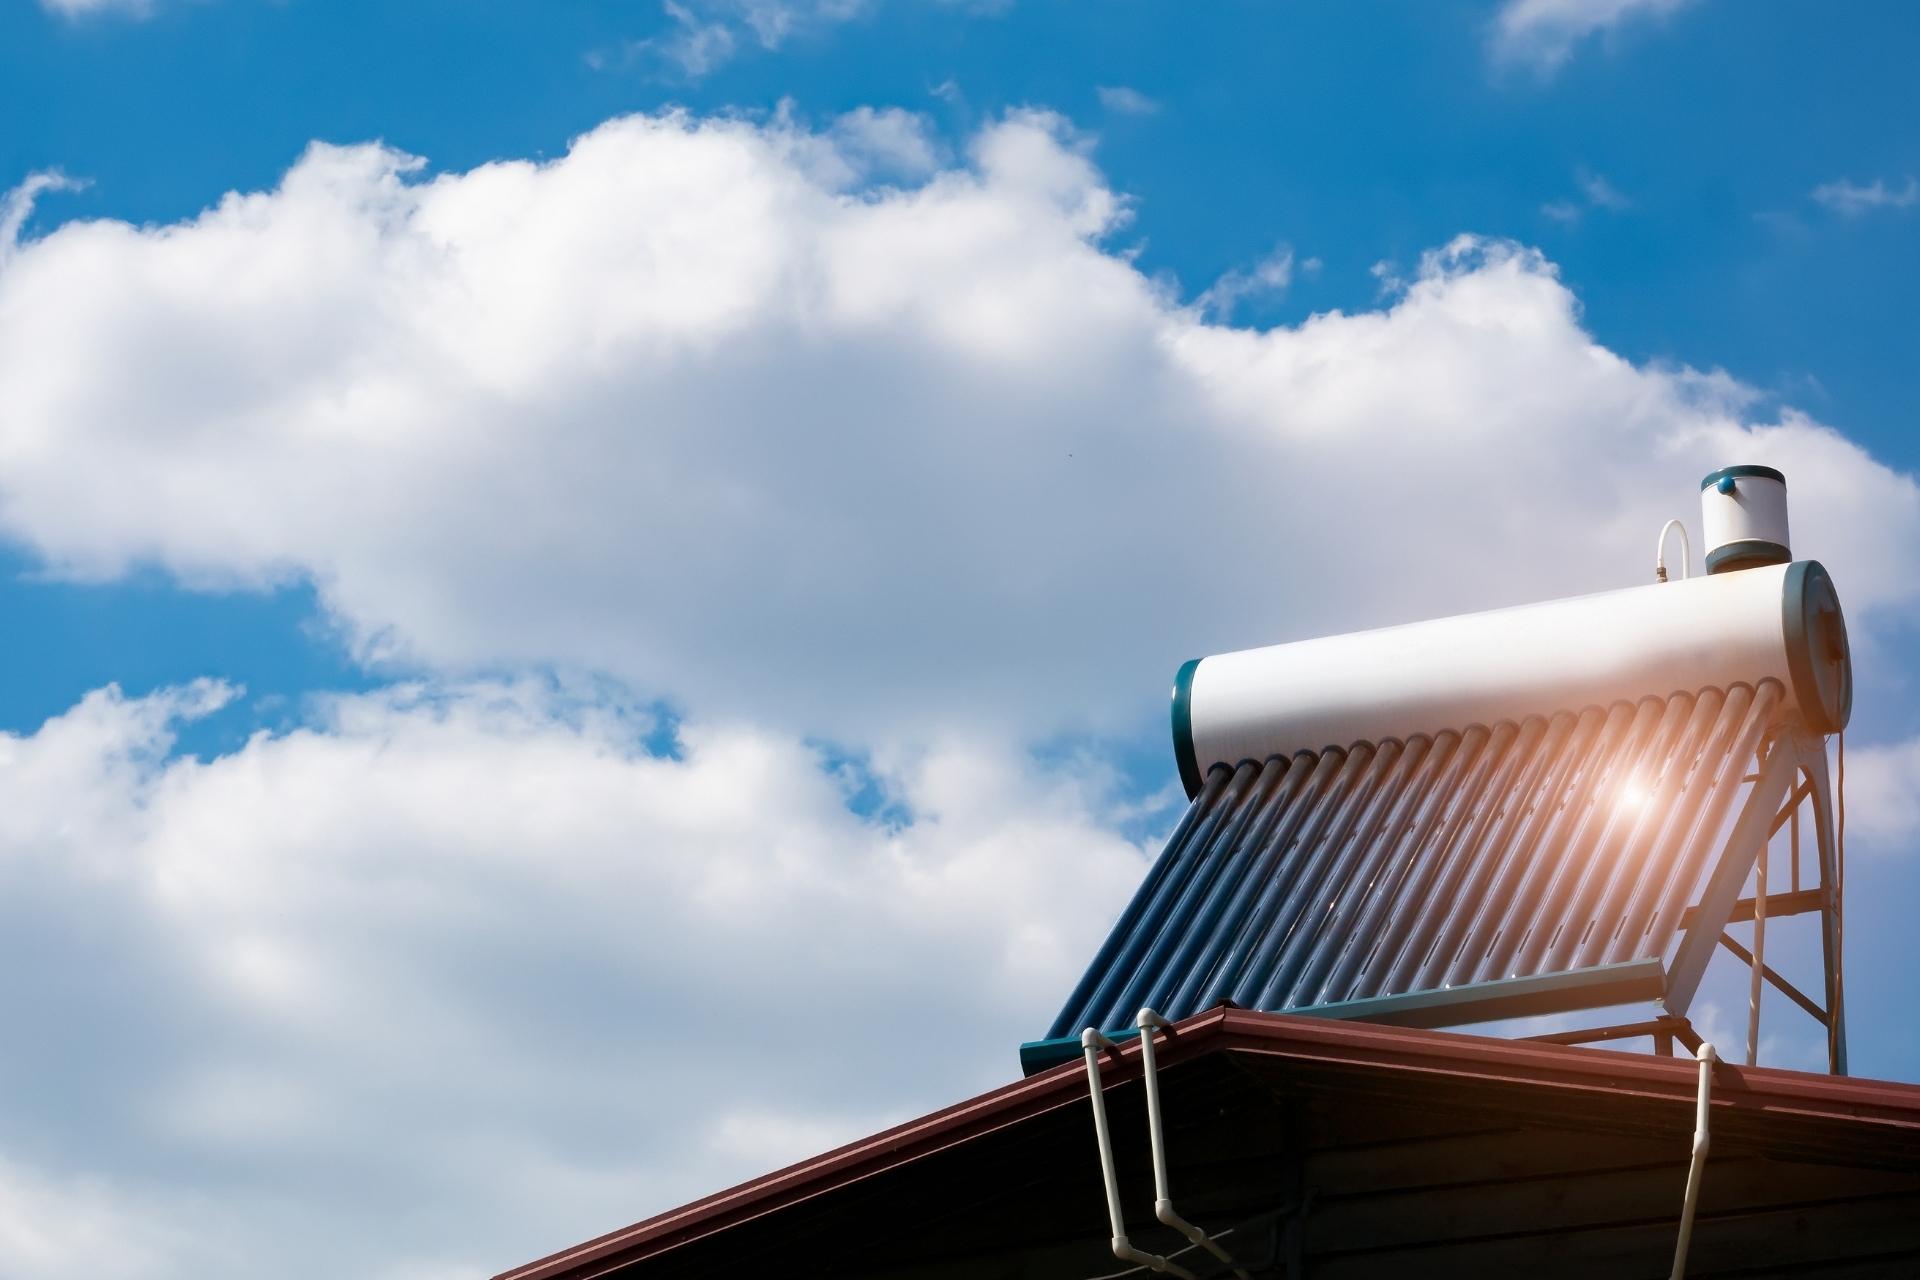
(1776, 619)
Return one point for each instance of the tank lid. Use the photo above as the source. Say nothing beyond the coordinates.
(1746, 469)
(1818, 656)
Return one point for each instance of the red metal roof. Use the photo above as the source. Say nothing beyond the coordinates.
(1780, 1115)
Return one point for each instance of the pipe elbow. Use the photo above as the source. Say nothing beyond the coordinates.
(1701, 1143)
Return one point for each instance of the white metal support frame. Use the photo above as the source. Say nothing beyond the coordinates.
(1149, 1022)
(1707, 1058)
(1791, 773)
(1092, 1042)
(1759, 965)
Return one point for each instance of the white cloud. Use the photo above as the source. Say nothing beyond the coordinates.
(16, 206)
(1542, 34)
(88, 8)
(469, 970)
(703, 35)
(1595, 193)
(888, 141)
(695, 44)
(1600, 193)
(1124, 101)
(1271, 275)
(1883, 796)
(696, 408)
(84, 1225)
(1853, 199)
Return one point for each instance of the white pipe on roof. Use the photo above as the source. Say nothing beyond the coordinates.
(1092, 1042)
(1701, 1141)
(1148, 1022)
(1778, 622)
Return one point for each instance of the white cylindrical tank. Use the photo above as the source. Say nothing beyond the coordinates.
(1780, 621)
(1743, 517)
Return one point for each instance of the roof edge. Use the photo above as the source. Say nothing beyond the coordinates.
(1581, 1071)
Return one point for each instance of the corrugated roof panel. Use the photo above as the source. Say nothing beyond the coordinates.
(1558, 843)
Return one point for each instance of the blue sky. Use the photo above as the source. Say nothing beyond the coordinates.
(797, 485)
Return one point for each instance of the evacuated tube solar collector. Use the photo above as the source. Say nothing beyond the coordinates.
(1488, 814)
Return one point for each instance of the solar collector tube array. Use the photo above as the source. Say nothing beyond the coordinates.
(1541, 844)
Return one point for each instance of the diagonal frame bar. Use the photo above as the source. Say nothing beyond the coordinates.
(1792, 772)
(1783, 753)
(1785, 988)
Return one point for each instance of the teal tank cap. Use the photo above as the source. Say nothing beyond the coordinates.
(1183, 752)
(1720, 479)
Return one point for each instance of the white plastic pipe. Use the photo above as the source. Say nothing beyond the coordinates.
(1092, 1042)
(1707, 1058)
(1759, 956)
(1148, 1022)
(1660, 552)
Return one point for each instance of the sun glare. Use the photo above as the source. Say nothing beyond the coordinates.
(1634, 795)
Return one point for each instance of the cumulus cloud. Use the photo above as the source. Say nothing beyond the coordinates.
(707, 407)
(1852, 199)
(1883, 796)
(1542, 34)
(888, 141)
(470, 969)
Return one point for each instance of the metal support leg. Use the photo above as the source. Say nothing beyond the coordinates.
(1759, 956)
(1814, 763)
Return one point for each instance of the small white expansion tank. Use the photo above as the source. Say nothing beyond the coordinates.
(1743, 515)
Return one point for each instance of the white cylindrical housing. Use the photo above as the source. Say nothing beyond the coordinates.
(1743, 516)
(1781, 622)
